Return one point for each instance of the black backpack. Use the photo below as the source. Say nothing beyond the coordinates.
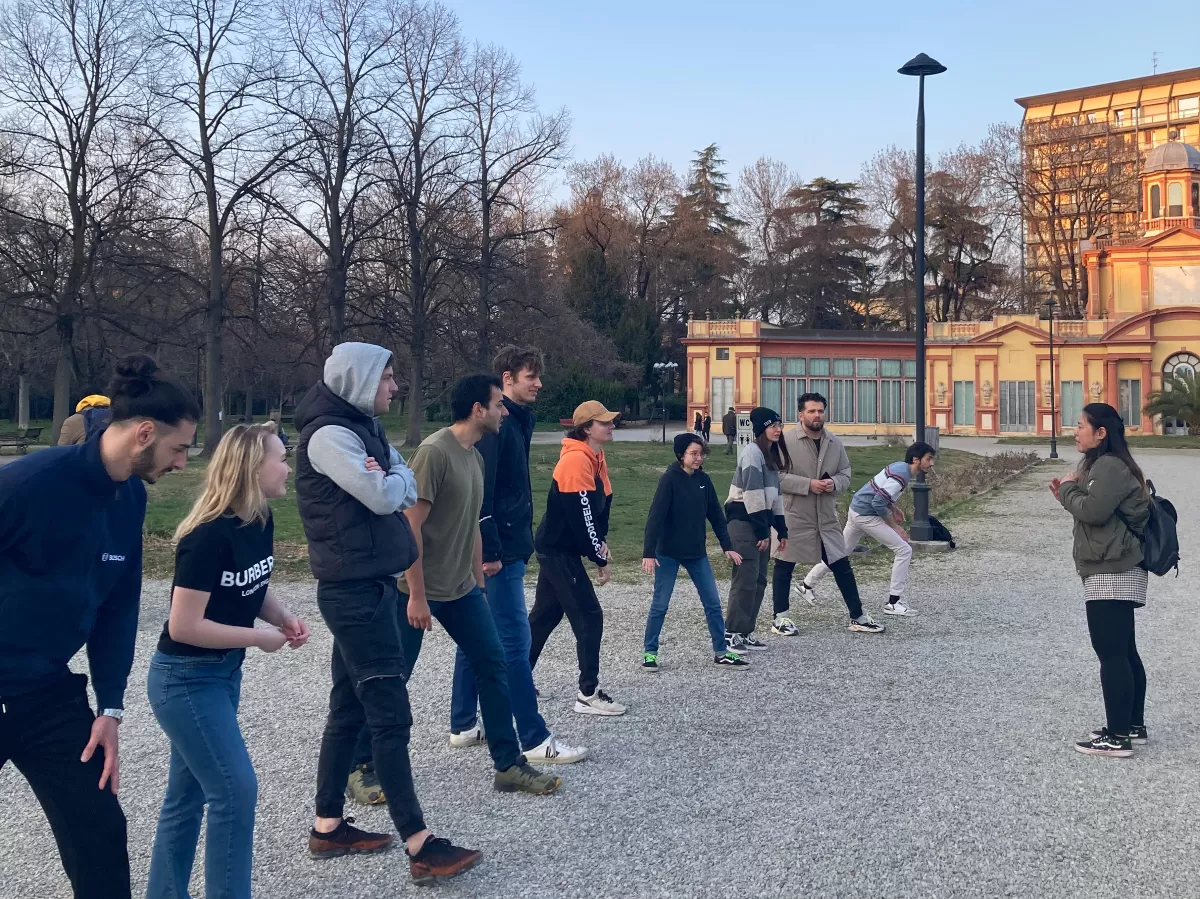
(940, 532)
(95, 420)
(1159, 538)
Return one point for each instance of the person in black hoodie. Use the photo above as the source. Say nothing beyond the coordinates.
(70, 580)
(675, 536)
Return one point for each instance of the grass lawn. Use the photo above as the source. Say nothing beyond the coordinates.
(1150, 441)
(634, 468)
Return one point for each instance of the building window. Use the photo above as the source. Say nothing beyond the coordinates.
(1195, 198)
(1120, 116)
(1155, 201)
(1070, 396)
(891, 394)
(889, 368)
(910, 368)
(772, 393)
(819, 385)
(910, 401)
(793, 389)
(841, 404)
(1016, 405)
(772, 365)
(1175, 199)
(1189, 106)
(868, 402)
(1148, 138)
(722, 354)
(794, 366)
(818, 367)
(964, 404)
(1129, 402)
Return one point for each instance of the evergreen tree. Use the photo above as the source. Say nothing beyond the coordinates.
(594, 290)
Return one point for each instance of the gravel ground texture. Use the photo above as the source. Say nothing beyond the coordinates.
(934, 760)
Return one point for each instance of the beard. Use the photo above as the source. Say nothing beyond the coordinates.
(143, 464)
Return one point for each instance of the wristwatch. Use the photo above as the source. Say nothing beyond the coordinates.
(118, 714)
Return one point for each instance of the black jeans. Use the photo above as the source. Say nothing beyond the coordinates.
(369, 687)
(44, 734)
(564, 588)
(1122, 676)
(843, 575)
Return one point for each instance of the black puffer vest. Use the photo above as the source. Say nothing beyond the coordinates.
(346, 540)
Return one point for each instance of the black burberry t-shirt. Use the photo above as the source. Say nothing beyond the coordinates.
(232, 562)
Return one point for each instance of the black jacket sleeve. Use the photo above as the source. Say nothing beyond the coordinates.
(584, 522)
(716, 517)
(489, 448)
(660, 508)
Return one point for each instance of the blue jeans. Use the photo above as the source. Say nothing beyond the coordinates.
(506, 596)
(195, 700)
(701, 574)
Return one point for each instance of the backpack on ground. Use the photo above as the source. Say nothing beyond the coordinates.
(1159, 538)
(940, 532)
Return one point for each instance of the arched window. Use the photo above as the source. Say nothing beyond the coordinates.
(1155, 201)
(1175, 199)
(1178, 364)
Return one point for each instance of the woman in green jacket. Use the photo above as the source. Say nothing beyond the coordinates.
(1108, 498)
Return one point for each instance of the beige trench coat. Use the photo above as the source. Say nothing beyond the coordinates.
(813, 518)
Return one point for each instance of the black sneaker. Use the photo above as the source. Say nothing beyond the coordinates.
(439, 859)
(347, 840)
(753, 643)
(650, 661)
(1137, 734)
(730, 660)
(1107, 744)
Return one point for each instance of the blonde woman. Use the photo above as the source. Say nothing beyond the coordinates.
(223, 564)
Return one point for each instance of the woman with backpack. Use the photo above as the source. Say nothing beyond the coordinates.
(1110, 502)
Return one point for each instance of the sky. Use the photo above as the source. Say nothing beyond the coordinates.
(814, 86)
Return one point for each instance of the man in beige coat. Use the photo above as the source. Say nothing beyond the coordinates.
(819, 471)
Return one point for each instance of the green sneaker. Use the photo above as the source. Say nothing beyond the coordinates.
(650, 661)
(521, 778)
(363, 786)
(731, 660)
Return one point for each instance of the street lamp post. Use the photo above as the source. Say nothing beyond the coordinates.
(1050, 304)
(667, 371)
(920, 66)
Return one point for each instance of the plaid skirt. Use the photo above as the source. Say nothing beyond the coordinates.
(1129, 586)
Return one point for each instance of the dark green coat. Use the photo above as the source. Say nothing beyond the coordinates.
(1103, 543)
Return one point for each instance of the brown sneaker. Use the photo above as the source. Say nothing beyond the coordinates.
(521, 778)
(440, 859)
(347, 840)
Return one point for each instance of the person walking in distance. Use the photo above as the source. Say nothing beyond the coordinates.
(351, 488)
(506, 527)
(223, 561)
(729, 429)
(675, 536)
(819, 471)
(71, 522)
(874, 512)
(706, 427)
(92, 414)
(575, 527)
(447, 582)
(753, 508)
(1108, 498)
(698, 425)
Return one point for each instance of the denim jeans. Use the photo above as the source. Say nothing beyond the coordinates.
(469, 623)
(701, 573)
(195, 699)
(506, 596)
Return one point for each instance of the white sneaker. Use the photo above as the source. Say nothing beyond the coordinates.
(898, 608)
(784, 627)
(551, 752)
(473, 737)
(805, 592)
(599, 703)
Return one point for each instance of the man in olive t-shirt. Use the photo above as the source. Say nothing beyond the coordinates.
(447, 582)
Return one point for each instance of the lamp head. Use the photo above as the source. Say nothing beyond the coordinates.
(922, 65)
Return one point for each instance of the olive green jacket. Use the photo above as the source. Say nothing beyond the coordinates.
(1104, 544)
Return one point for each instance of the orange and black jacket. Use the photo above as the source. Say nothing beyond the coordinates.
(576, 519)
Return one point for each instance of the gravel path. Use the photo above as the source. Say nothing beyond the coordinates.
(932, 761)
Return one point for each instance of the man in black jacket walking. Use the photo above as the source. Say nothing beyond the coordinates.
(675, 536)
(729, 429)
(506, 525)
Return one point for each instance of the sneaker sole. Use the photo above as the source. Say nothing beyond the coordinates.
(795, 633)
(859, 629)
(588, 710)
(733, 667)
(513, 788)
(1109, 753)
(468, 744)
(1136, 741)
(651, 670)
(347, 850)
(431, 879)
(909, 614)
(558, 759)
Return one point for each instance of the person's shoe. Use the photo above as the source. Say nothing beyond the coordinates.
(735, 643)
(363, 786)
(805, 592)
(520, 778)
(899, 608)
(1137, 734)
(473, 737)
(752, 643)
(439, 859)
(1106, 744)
(551, 752)
(650, 661)
(784, 627)
(864, 624)
(599, 703)
(347, 840)
(730, 660)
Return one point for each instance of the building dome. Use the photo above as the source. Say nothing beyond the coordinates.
(1173, 156)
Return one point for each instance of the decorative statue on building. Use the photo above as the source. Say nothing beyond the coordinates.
(1047, 388)
(941, 394)
(1097, 389)
(987, 393)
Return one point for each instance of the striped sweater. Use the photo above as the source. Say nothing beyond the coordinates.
(754, 495)
(878, 495)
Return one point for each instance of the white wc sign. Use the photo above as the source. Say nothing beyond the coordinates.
(745, 430)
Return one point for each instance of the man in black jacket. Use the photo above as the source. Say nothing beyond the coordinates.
(729, 429)
(506, 524)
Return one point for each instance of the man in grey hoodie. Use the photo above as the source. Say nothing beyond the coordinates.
(351, 490)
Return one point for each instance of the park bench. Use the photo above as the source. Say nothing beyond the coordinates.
(19, 440)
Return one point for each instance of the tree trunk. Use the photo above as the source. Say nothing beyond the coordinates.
(337, 280)
(416, 406)
(62, 375)
(23, 401)
(248, 413)
(213, 388)
(484, 350)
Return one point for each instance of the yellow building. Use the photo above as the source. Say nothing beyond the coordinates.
(993, 377)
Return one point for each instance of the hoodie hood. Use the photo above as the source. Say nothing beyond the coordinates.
(585, 463)
(352, 372)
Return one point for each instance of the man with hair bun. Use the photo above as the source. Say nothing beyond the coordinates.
(69, 581)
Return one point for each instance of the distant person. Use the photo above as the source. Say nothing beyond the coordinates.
(874, 512)
(69, 581)
(698, 424)
(676, 536)
(92, 415)
(706, 427)
(729, 429)
(574, 528)
(1110, 502)
(223, 561)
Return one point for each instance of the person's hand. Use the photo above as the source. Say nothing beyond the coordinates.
(419, 615)
(734, 556)
(648, 565)
(783, 545)
(269, 639)
(763, 545)
(1067, 477)
(491, 569)
(604, 551)
(605, 575)
(898, 515)
(372, 465)
(1054, 485)
(817, 486)
(296, 631)
(104, 734)
(903, 534)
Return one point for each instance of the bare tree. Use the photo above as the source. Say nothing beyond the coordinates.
(650, 190)
(760, 201)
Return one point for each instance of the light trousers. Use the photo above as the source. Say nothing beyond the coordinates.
(873, 526)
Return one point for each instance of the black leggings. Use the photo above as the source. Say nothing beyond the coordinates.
(1122, 677)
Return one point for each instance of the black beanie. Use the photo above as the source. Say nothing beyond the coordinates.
(683, 441)
(762, 418)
